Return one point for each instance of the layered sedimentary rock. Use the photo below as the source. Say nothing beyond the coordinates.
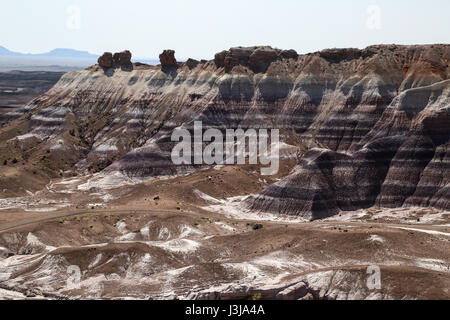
(374, 122)
(402, 161)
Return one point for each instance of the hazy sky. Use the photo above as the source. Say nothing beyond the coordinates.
(199, 28)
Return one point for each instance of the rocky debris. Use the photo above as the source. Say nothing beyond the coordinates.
(167, 59)
(5, 253)
(257, 59)
(308, 297)
(119, 59)
(236, 292)
(106, 60)
(192, 63)
(320, 285)
(296, 291)
(30, 294)
(195, 96)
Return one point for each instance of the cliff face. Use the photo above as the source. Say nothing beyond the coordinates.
(374, 122)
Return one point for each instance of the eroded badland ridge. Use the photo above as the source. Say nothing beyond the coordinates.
(362, 131)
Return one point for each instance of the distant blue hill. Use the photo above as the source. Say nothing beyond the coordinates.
(55, 60)
(68, 53)
(56, 53)
(6, 52)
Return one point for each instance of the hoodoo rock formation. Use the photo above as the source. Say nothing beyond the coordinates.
(167, 59)
(122, 58)
(106, 60)
(372, 126)
(119, 59)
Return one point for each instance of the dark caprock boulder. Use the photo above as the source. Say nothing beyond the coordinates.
(167, 59)
(192, 63)
(261, 59)
(337, 55)
(289, 54)
(106, 60)
(122, 58)
(219, 59)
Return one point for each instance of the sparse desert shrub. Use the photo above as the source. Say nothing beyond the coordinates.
(257, 227)
(256, 297)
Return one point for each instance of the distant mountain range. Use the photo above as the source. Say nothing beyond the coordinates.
(56, 60)
(56, 53)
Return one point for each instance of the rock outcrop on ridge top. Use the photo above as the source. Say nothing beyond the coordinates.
(108, 60)
(258, 59)
(168, 60)
(374, 123)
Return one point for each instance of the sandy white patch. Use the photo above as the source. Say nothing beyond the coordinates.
(107, 182)
(33, 241)
(177, 245)
(122, 227)
(433, 232)
(186, 231)
(106, 148)
(206, 197)
(433, 264)
(145, 232)
(376, 238)
(283, 261)
(234, 208)
(225, 226)
(32, 203)
(164, 234)
(10, 295)
(28, 136)
(127, 237)
(95, 262)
